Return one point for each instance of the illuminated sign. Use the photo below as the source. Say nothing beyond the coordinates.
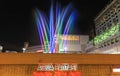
(116, 70)
(58, 73)
(42, 74)
(69, 37)
(57, 67)
(65, 67)
(45, 67)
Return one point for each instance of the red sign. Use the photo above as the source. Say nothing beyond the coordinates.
(48, 74)
(38, 74)
(42, 74)
(60, 73)
(74, 73)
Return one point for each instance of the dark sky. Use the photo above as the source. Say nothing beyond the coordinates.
(16, 18)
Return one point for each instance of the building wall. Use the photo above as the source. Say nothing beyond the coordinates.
(83, 42)
(71, 43)
(86, 70)
(107, 19)
(16, 70)
(110, 15)
(34, 49)
(90, 47)
(35, 58)
(24, 64)
(74, 43)
(64, 43)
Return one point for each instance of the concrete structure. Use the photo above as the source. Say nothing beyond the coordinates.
(107, 28)
(90, 47)
(65, 44)
(24, 64)
(33, 49)
(109, 16)
(74, 43)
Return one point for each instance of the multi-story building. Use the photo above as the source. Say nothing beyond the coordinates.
(107, 28)
(73, 43)
(64, 44)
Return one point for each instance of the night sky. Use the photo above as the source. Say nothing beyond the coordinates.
(17, 20)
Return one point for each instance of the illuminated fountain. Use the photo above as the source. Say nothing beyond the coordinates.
(50, 28)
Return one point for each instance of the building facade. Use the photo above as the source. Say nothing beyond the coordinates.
(108, 17)
(73, 43)
(107, 28)
(64, 44)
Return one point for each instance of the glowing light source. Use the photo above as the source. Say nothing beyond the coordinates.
(23, 49)
(65, 48)
(1, 48)
(59, 22)
(116, 69)
(107, 34)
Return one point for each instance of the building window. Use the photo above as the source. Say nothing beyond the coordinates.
(116, 39)
(108, 43)
(112, 41)
(115, 20)
(116, 16)
(104, 43)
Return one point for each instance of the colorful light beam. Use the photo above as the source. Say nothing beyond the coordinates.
(58, 23)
